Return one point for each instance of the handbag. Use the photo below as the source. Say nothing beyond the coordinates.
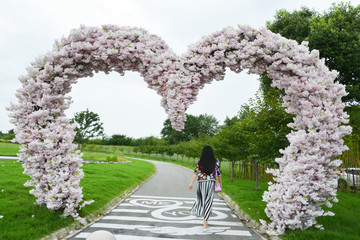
(217, 185)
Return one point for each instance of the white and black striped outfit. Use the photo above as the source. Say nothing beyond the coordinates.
(204, 199)
(205, 192)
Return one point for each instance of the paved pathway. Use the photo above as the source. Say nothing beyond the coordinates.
(9, 157)
(159, 210)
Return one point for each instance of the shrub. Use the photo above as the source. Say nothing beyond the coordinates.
(111, 158)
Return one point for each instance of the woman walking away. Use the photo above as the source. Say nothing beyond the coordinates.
(206, 170)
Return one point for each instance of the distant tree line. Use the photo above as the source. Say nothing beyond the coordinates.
(7, 136)
(195, 126)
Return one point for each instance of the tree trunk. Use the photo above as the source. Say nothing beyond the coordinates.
(244, 167)
(239, 169)
(82, 147)
(229, 168)
(256, 173)
(232, 170)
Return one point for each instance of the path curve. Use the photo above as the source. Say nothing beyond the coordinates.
(159, 210)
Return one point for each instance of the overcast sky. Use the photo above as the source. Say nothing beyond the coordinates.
(124, 103)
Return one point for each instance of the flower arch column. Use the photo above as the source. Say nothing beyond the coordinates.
(45, 134)
(307, 174)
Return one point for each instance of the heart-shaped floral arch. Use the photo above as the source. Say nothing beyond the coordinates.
(306, 178)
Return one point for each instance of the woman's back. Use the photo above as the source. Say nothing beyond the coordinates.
(202, 175)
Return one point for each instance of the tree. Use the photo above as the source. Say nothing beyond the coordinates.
(354, 113)
(270, 124)
(256, 134)
(295, 25)
(152, 141)
(265, 129)
(148, 149)
(193, 150)
(160, 149)
(207, 125)
(7, 136)
(88, 126)
(149, 145)
(172, 136)
(352, 140)
(119, 139)
(231, 145)
(179, 149)
(195, 126)
(335, 33)
(170, 150)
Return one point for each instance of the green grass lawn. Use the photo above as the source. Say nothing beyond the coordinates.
(22, 219)
(344, 225)
(245, 194)
(9, 149)
(102, 156)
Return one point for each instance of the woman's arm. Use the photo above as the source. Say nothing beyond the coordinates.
(220, 180)
(192, 181)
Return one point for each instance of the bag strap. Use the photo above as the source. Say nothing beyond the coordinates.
(215, 172)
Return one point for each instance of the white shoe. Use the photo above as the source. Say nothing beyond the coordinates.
(206, 228)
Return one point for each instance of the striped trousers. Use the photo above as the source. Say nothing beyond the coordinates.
(204, 199)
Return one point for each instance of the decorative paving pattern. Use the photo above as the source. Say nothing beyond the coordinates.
(162, 218)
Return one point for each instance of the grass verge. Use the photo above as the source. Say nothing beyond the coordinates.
(344, 225)
(9, 149)
(22, 219)
(102, 156)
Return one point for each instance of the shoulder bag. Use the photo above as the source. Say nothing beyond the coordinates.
(217, 184)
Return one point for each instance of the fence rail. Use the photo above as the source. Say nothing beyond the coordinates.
(350, 168)
(246, 170)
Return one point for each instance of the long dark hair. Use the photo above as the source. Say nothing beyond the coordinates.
(207, 160)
